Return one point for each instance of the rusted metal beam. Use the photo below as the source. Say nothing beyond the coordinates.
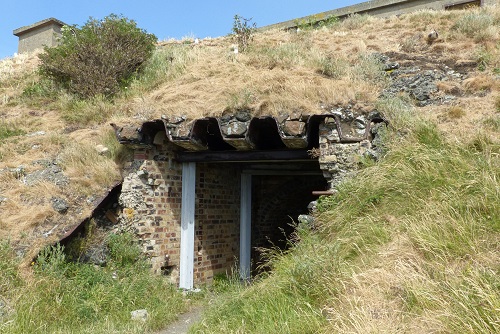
(322, 192)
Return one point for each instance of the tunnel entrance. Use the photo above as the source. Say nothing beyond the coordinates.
(277, 202)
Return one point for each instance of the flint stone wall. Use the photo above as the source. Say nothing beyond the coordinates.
(151, 200)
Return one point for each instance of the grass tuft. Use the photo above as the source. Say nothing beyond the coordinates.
(10, 129)
(475, 24)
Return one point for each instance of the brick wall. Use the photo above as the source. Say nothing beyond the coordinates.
(152, 194)
(151, 201)
(217, 218)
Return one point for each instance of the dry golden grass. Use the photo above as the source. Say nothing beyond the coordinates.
(478, 84)
(373, 301)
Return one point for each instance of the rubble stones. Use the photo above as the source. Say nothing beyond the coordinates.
(307, 220)
(97, 255)
(243, 116)
(235, 126)
(52, 173)
(59, 205)
(420, 83)
(132, 190)
(294, 128)
(35, 134)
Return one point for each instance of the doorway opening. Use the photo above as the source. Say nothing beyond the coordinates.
(277, 201)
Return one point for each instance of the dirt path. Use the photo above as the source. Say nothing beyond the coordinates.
(181, 326)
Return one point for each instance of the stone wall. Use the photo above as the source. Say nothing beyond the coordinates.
(337, 160)
(151, 202)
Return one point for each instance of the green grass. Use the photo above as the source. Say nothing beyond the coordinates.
(66, 297)
(493, 123)
(166, 64)
(10, 129)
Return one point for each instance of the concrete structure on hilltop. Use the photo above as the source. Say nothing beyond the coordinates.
(38, 35)
(380, 8)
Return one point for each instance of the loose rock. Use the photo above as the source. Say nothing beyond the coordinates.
(139, 315)
(59, 204)
(101, 149)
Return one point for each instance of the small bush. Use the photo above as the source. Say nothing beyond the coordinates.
(355, 21)
(51, 260)
(243, 31)
(99, 58)
(332, 67)
(283, 56)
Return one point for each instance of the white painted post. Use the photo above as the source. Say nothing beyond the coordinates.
(187, 225)
(245, 225)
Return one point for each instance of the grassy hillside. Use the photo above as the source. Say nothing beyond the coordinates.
(410, 245)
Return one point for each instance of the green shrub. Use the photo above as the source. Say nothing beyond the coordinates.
(51, 260)
(98, 58)
(243, 31)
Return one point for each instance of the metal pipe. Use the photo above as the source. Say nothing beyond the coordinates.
(322, 192)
